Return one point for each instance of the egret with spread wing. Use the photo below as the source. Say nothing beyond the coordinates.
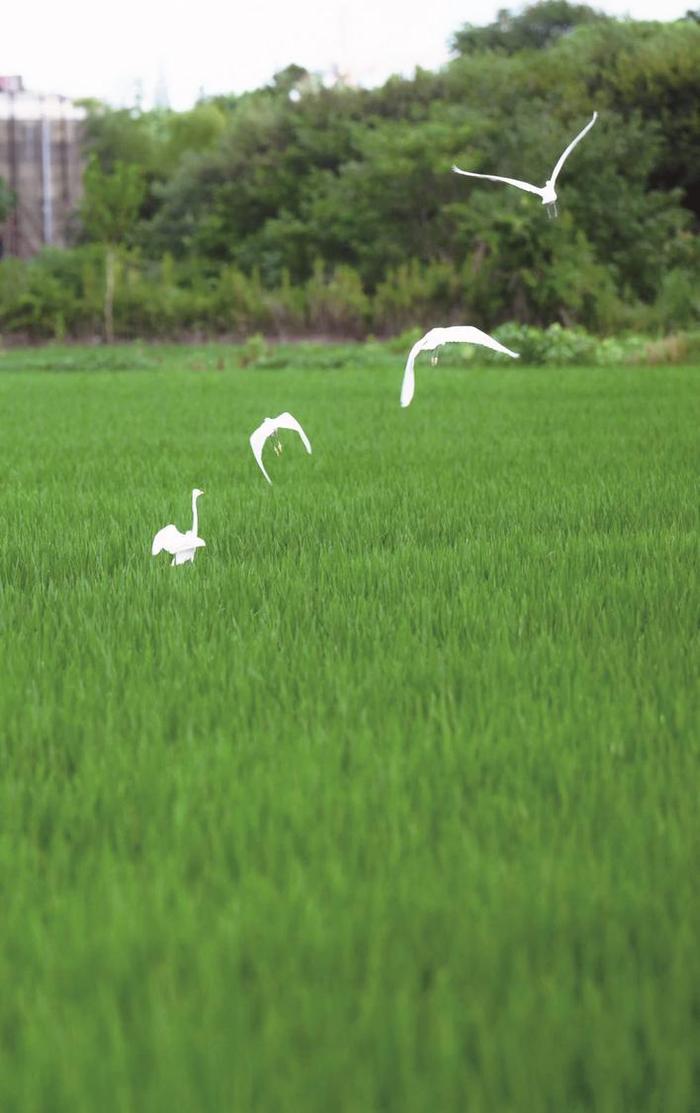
(460, 334)
(269, 428)
(546, 192)
(181, 546)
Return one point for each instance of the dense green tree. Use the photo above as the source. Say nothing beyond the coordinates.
(536, 28)
(292, 79)
(356, 177)
(109, 212)
(285, 188)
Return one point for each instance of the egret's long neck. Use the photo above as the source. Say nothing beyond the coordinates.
(195, 521)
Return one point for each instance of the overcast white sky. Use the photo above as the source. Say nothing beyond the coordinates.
(81, 48)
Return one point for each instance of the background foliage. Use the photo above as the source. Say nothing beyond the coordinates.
(300, 208)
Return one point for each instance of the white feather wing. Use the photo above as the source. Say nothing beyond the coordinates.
(257, 443)
(571, 146)
(268, 427)
(454, 334)
(168, 538)
(496, 178)
(469, 334)
(408, 385)
(287, 421)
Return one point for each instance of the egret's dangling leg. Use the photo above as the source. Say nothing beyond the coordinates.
(552, 210)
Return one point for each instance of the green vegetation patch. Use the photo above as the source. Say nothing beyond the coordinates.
(388, 801)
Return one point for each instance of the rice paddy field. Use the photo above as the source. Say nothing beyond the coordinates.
(390, 800)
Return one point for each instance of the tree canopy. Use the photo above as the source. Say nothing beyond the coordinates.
(536, 28)
(295, 176)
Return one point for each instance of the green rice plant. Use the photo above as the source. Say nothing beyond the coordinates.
(389, 800)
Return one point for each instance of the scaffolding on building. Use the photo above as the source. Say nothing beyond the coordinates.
(41, 162)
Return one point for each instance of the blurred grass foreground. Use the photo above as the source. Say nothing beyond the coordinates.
(388, 801)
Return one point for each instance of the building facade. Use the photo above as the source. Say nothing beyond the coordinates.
(41, 163)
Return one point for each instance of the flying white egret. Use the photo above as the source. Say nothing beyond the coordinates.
(181, 546)
(456, 334)
(546, 192)
(268, 429)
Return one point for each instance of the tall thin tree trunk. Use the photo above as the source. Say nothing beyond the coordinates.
(110, 273)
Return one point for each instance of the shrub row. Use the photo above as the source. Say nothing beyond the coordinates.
(60, 295)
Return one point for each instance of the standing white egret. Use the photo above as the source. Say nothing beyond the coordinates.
(546, 192)
(181, 546)
(455, 334)
(268, 429)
